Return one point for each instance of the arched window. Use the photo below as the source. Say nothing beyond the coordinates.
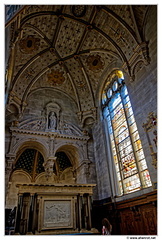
(30, 161)
(129, 159)
(63, 162)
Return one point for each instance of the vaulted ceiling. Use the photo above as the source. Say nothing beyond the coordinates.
(74, 48)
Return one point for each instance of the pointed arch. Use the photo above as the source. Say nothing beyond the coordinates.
(128, 156)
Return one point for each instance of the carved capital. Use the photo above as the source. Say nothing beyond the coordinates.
(151, 122)
(80, 116)
(48, 166)
(143, 50)
(154, 159)
(10, 158)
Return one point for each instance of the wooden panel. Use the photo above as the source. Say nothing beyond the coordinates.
(128, 226)
(149, 216)
(139, 221)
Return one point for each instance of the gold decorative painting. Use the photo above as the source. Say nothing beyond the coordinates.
(95, 63)
(55, 78)
(29, 44)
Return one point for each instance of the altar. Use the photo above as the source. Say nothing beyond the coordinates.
(54, 209)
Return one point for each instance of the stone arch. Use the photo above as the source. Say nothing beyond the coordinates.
(72, 152)
(17, 176)
(12, 112)
(22, 145)
(68, 175)
(41, 178)
(90, 120)
(107, 82)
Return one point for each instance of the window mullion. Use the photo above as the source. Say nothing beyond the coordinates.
(35, 166)
(118, 157)
(131, 141)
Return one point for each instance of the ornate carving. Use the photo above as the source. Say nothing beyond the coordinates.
(145, 53)
(29, 44)
(55, 78)
(10, 158)
(48, 167)
(36, 125)
(52, 114)
(69, 129)
(151, 133)
(52, 121)
(57, 213)
(95, 63)
(151, 122)
(138, 66)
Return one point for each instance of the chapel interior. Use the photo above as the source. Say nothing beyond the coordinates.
(80, 119)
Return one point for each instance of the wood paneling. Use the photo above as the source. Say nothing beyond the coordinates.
(149, 216)
(141, 220)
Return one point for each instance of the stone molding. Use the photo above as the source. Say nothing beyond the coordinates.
(56, 188)
(47, 134)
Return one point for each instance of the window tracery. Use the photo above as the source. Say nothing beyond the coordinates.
(129, 159)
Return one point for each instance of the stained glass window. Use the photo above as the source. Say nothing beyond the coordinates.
(129, 159)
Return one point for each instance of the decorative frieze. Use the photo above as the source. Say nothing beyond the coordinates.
(56, 188)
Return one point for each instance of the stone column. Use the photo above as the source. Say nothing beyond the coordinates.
(31, 213)
(39, 212)
(89, 212)
(80, 199)
(18, 213)
(10, 159)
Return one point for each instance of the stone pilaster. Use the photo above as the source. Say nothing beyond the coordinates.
(10, 159)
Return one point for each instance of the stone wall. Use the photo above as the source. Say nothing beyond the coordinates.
(143, 96)
(103, 182)
(39, 99)
(143, 91)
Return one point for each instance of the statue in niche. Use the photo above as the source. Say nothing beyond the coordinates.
(52, 121)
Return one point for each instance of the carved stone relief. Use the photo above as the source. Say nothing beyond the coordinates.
(51, 124)
(36, 125)
(57, 214)
(150, 127)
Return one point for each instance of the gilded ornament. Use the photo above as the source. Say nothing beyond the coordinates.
(55, 77)
(95, 63)
(29, 44)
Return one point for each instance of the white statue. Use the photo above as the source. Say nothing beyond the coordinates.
(52, 120)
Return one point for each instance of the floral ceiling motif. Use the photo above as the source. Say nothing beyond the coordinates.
(55, 78)
(29, 44)
(76, 45)
(95, 63)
